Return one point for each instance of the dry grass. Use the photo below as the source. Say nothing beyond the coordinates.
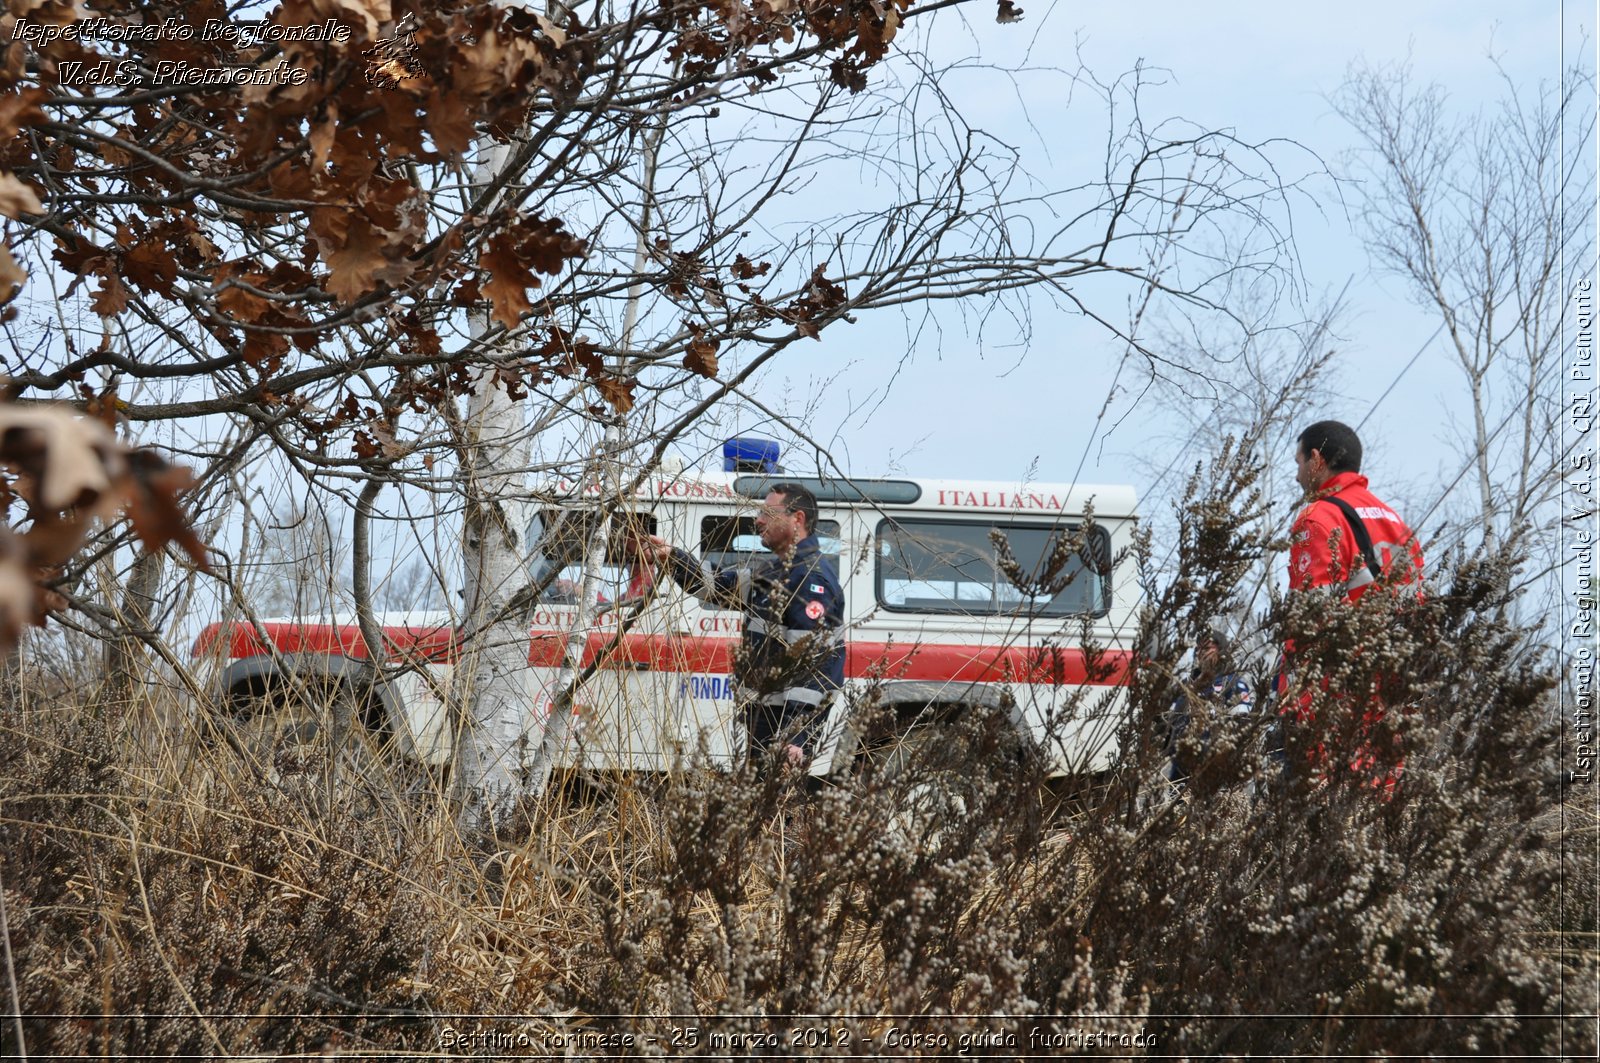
(224, 908)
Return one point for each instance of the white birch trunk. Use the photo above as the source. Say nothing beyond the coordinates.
(491, 675)
(490, 680)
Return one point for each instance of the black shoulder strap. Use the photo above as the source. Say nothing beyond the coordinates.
(1363, 540)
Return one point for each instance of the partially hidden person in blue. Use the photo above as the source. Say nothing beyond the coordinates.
(792, 652)
(1213, 691)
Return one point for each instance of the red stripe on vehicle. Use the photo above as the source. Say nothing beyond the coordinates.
(953, 662)
(927, 662)
(434, 643)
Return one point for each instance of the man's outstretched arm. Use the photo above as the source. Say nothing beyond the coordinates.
(722, 588)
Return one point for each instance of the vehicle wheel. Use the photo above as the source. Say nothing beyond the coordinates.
(944, 769)
(928, 791)
(324, 732)
(935, 795)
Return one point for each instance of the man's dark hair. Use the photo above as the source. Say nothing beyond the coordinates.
(800, 500)
(1338, 442)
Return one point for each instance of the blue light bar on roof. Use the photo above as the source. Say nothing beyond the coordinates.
(749, 454)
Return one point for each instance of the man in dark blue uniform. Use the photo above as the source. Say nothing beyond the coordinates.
(791, 657)
(1216, 691)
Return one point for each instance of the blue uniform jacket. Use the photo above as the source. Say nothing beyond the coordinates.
(1229, 694)
(792, 652)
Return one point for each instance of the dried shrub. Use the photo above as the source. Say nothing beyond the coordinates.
(226, 920)
(1260, 911)
(1310, 914)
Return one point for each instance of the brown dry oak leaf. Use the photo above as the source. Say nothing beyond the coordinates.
(557, 35)
(702, 354)
(71, 462)
(25, 598)
(242, 305)
(467, 293)
(510, 378)
(12, 276)
(702, 358)
(73, 471)
(16, 198)
(19, 109)
(153, 507)
(77, 255)
(377, 440)
(264, 348)
(498, 60)
(364, 16)
(53, 538)
(321, 138)
(361, 263)
(150, 265)
(548, 246)
(744, 269)
(112, 297)
(509, 279)
(615, 391)
(17, 591)
(450, 121)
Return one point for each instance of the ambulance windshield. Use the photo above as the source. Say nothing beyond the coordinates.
(943, 566)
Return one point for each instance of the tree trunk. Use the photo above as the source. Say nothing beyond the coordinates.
(125, 652)
(491, 673)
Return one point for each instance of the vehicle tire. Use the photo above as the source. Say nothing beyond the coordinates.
(931, 795)
(948, 765)
(919, 769)
(321, 730)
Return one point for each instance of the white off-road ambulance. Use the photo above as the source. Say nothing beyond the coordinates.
(935, 625)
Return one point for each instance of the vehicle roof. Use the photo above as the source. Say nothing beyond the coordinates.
(937, 494)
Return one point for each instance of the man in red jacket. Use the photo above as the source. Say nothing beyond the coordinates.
(1345, 540)
(1325, 549)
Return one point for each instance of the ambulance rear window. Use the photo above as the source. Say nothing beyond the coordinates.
(939, 566)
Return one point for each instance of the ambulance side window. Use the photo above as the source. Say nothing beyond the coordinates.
(558, 538)
(732, 541)
(946, 566)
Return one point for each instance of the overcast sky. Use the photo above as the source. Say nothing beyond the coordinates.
(1265, 70)
(954, 402)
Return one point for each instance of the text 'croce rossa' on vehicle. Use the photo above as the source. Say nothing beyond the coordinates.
(938, 620)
